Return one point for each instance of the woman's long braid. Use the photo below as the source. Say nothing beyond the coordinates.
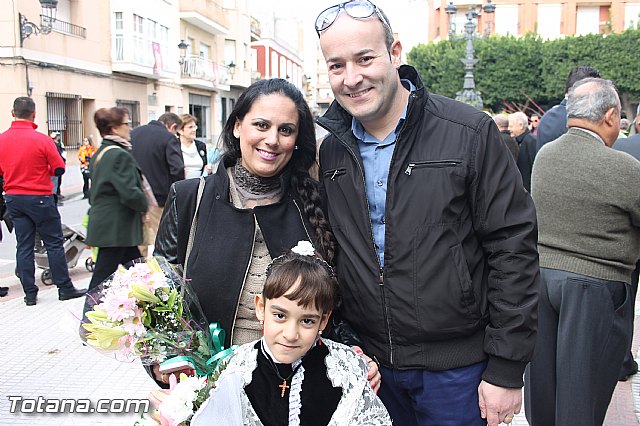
(308, 191)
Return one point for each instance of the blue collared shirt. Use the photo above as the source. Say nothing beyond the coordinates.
(376, 159)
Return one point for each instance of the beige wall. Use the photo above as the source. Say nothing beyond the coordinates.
(94, 51)
(199, 35)
(83, 67)
(96, 92)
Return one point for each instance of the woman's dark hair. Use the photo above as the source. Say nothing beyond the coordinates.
(107, 119)
(303, 185)
(317, 287)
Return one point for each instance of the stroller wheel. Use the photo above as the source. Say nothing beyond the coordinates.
(46, 277)
(89, 264)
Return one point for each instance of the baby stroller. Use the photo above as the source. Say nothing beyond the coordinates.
(73, 245)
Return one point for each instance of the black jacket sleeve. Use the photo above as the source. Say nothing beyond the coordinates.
(202, 152)
(166, 244)
(505, 221)
(339, 330)
(175, 225)
(174, 160)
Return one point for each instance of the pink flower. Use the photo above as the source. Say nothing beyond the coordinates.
(118, 305)
(133, 325)
(127, 343)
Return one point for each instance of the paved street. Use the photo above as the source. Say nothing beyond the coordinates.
(42, 354)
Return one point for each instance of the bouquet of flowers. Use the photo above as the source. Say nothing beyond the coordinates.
(148, 312)
(177, 406)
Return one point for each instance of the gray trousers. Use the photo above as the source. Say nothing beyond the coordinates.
(629, 363)
(583, 336)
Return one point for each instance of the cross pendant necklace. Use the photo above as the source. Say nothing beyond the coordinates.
(284, 387)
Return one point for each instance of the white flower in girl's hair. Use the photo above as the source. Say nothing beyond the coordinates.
(304, 248)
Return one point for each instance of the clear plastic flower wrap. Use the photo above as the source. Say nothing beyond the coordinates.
(149, 312)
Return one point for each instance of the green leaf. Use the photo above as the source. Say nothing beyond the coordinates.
(146, 318)
(173, 295)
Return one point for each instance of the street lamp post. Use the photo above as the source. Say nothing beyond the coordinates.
(469, 94)
(232, 70)
(182, 48)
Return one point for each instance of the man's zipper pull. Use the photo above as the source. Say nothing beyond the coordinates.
(408, 171)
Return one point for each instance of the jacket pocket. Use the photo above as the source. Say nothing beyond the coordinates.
(432, 164)
(467, 299)
(332, 174)
(446, 302)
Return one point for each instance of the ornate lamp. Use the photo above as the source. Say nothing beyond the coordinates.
(27, 28)
(182, 46)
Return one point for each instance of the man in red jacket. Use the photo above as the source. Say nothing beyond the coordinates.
(28, 159)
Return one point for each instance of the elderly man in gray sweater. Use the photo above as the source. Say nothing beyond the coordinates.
(587, 198)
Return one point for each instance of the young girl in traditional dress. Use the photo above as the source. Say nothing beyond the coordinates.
(292, 376)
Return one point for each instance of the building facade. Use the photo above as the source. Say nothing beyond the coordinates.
(277, 52)
(549, 18)
(95, 54)
(273, 60)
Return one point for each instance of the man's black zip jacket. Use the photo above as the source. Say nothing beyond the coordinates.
(460, 282)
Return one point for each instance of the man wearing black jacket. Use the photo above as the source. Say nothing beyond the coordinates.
(518, 126)
(437, 257)
(157, 151)
(502, 121)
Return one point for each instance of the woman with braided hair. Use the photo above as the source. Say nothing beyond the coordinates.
(258, 204)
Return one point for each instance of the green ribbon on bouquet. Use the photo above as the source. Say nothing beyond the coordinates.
(218, 351)
(217, 338)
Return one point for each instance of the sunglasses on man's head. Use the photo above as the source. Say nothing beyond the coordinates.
(358, 9)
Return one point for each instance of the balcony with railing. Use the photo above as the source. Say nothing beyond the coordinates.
(63, 27)
(207, 15)
(133, 54)
(204, 74)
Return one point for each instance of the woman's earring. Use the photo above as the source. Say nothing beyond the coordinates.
(296, 147)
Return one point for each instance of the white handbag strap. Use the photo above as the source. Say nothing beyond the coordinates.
(192, 230)
(106, 148)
